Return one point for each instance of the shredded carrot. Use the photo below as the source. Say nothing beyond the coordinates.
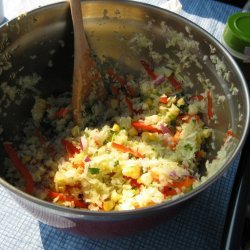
(125, 149)
(186, 183)
(145, 127)
(170, 190)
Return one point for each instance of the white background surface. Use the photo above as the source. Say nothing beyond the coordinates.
(13, 8)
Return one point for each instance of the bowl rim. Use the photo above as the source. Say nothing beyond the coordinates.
(97, 215)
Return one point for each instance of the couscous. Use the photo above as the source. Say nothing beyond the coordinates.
(144, 145)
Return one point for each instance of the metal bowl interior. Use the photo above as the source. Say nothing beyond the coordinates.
(40, 44)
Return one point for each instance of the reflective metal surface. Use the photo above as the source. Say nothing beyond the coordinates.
(41, 42)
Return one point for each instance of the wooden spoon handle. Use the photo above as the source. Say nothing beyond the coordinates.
(87, 78)
(82, 61)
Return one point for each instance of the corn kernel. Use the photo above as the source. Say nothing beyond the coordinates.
(132, 171)
(108, 205)
(115, 196)
(132, 132)
(116, 128)
(180, 102)
(75, 131)
(206, 133)
(147, 136)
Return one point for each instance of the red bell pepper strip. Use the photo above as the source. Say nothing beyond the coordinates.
(133, 182)
(149, 70)
(131, 108)
(62, 197)
(169, 189)
(61, 112)
(116, 78)
(21, 168)
(200, 154)
(231, 133)
(209, 105)
(70, 148)
(164, 99)
(176, 84)
(125, 149)
(145, 127)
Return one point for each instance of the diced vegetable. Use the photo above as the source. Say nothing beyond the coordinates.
(145, 127)
(70, 148)
(94, 170)
(21, 168)
(164, 99)
(149, 70)
(176, 84)
(116, 78)
(125, 149)
(197, 97)
(170, 189)
(134, 183)
(50, 149)
(61, 112)
(62, 197)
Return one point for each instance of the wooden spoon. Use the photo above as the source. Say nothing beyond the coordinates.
(86, 74)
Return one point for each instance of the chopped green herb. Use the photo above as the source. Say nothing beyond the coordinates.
(171, 117)
(116, 163)
(188, 147)
(94, 170)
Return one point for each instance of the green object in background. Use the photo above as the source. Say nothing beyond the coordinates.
(236, 35)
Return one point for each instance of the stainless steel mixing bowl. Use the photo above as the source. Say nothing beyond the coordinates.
(40, 43)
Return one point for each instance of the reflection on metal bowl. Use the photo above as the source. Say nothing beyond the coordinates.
(40, 45)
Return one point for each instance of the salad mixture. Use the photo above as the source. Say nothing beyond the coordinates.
(144, 145)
